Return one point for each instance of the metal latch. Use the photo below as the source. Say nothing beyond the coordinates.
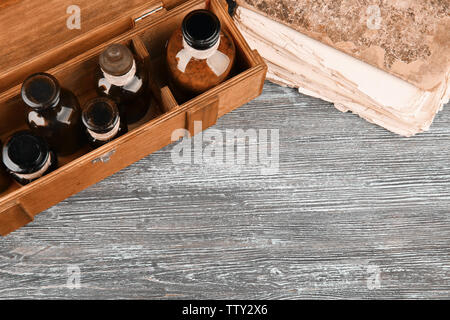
(104, 158)
(149, 13)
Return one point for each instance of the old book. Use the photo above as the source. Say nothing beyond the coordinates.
(389, 63)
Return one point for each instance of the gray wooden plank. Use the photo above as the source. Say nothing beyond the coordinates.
(350, 201)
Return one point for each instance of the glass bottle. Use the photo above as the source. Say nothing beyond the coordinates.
(200, 55)
(53, 113)
(5, 181)
(124, 79)
(27, 157)
(102, 121)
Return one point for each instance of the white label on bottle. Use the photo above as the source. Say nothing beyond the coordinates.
(37, 174)
(121, 81)
(218, 63)
(104, 83)
(105, 136)
(134, 85)
(216, 60)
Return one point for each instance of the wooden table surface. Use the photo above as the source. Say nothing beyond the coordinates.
(353, 212)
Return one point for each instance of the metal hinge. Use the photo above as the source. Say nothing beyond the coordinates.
(147, 14)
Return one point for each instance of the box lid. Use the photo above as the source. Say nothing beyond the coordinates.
(38, 35)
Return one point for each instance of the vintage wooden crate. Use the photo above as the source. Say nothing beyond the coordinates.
(34, 37)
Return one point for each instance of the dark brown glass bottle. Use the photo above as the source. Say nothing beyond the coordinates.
(5, 180)
(199, 54)
(53, 113)
(27, 157)
(124, 79)
(102, 121)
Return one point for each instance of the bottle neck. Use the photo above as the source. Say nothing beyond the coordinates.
(105, 136)
(39, 173)
(41, 91)
(123, 80)
(49, 106)
(200, 54)
(54, 105)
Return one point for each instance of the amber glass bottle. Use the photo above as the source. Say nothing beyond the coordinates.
(124, 79)
(27, 157)
(5, 181)
(53, 113)
(102, 121)
(199, 54)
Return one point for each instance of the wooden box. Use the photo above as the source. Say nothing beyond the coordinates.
(35, 36)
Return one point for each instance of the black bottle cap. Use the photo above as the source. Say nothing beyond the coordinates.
(201, 29)
(25, 153)
(40, 91)
(116, 60)
(100, 115)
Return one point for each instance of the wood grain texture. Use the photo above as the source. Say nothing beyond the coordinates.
(349, 198)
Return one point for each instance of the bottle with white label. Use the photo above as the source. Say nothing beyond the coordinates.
(200, 54)
(27, 157)
(124, 79)
(102, 121)
(53, 113)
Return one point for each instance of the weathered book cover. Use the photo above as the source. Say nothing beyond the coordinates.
(407, 38)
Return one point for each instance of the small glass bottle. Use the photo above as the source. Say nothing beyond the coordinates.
(124, 79)
(5, 181)
(53, 113)
(102, 121)
(200, 55)
(27, 157)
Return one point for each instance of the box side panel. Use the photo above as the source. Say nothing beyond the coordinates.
(242, 92)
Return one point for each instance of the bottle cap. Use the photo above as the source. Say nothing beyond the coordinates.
(40, 91)
(201, 29)
(116, 60)
(25, 153)
(100, 115)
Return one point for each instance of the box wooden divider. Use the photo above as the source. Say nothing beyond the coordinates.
(40, 41)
